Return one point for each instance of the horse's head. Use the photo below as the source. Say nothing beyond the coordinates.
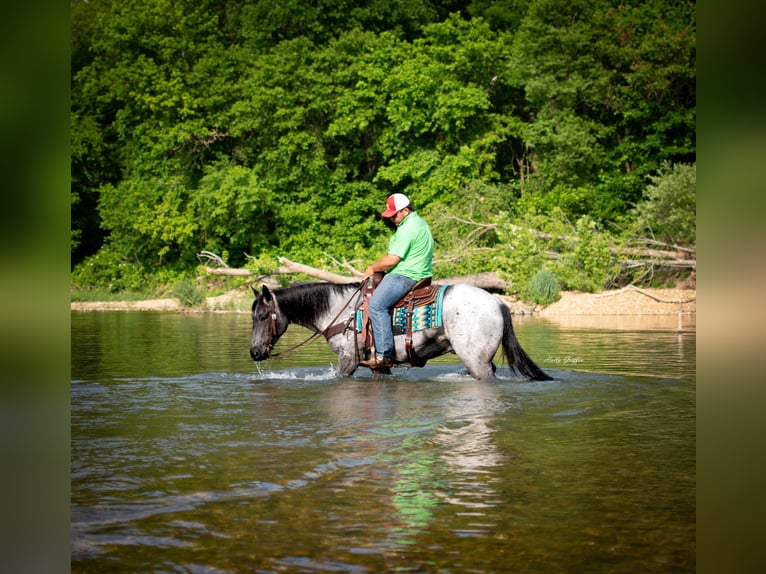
(268, 324)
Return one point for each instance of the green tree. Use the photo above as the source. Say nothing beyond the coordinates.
(668, 211)
(278, 129)
(500, 14)
(440, 131)
(92, 156)
(609, 93)
(588, 265)
(234, 211)
(147, 107)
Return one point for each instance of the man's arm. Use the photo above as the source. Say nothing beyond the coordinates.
(383, 264)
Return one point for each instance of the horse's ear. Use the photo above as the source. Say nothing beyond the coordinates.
(255, 291)
(266, 294)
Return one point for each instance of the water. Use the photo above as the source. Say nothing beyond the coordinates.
(188, 457)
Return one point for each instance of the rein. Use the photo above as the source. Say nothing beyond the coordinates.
(312, 337)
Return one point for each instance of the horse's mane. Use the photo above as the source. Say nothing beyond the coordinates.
(303, 303)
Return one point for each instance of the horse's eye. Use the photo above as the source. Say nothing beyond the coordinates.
(263, 317)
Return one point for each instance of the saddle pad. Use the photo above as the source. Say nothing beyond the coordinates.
(423, 316)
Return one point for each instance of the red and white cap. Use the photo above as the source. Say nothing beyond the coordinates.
(394, 203)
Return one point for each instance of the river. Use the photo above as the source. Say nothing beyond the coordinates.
(188, 457)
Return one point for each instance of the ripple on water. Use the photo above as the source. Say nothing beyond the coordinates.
(231, 465)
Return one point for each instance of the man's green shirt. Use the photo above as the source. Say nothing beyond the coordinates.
(414, 243)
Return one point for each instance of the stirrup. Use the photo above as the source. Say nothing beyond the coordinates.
(376, 363)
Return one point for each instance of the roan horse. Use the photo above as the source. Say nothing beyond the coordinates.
(474, 325)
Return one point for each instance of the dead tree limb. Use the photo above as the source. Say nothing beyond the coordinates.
(293, 267)
(228, 271)
(647, 294)
(346, 265)
(489, 280)
(669, 251)
(211, 259)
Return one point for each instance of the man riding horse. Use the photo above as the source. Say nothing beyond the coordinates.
(408, 261)
(468, 321)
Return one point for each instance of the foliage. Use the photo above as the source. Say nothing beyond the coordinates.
(264, 128)
(522, 255)
(188, 294)
(589, 265)
(109, 271)
(543, 288)
(233, 210)
(578, 256)
(669, 208)
(463, 246)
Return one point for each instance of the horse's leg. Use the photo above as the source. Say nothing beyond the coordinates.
(474, 327)
(348, 357)
(478, 367)
(348, 361)
(346, 368)
(475, 342)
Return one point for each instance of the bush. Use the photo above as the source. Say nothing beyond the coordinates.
(109, 271)
(590, 265)
(669, 208)
(521, 255)
(543, 288)
(188, 294)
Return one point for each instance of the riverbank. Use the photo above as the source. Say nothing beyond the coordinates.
(629, 301)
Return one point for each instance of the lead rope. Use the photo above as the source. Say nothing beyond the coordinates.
(315, 335)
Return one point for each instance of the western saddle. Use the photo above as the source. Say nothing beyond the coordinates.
(422, 293)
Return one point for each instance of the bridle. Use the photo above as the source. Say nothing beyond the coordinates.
(272, 327)
(330, 331)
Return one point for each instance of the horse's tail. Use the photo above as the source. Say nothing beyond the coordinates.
(515, 355)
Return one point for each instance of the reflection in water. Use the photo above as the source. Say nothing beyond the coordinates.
(404, 468)
(210, 463)
(466, 435)
(470, 452)
(682, 322)
(440, 455)
(413, 494)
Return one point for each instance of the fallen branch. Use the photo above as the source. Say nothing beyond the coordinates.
(346, 265)
(642, 292)
(488, 280)
(292, 267)
(210, 257)
(228, 271)
(673, 256)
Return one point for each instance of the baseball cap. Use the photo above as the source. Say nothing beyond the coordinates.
(394, 203)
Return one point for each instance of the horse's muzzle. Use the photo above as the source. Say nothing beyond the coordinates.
(258, 355)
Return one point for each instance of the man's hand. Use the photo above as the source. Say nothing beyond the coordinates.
(383, 264)
(369, 272)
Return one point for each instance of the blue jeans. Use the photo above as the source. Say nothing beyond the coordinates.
(392, 288)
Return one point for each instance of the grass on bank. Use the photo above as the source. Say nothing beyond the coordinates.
(101, 295)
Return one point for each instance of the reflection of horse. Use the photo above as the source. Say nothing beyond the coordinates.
(474, 325)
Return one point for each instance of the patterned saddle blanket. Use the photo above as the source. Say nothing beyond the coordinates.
(426, 315)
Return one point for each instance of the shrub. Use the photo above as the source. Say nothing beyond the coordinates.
(543, 288)
(520, 257)
(109, 271)
(590, 265)
(669, 208)
(188, 294)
